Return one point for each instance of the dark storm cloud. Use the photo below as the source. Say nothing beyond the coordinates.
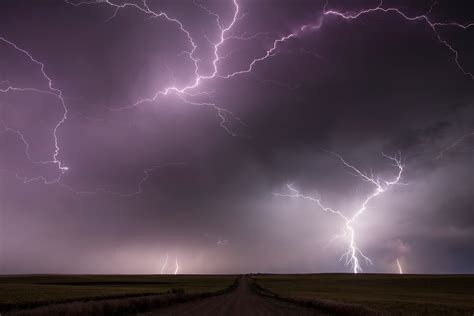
(375, 84)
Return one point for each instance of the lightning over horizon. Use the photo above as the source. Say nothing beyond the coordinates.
(400, 269)
(165, 263)
(354, 254)
(176, 269)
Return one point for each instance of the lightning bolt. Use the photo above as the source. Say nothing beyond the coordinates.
(454, 144)
(163, 267)
(146, 175)
(165, 264)
(424, 18)
(191, 93)
(6, 87)
(51, 90)
(400, 270)
(353, 16)
(185, 92)
(176, 269)
(354, 255)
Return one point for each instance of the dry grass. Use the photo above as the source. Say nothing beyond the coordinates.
(104, 294)
(375, 294)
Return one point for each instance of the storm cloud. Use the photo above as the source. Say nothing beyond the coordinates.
(165, 177)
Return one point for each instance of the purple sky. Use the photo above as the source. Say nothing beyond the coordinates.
(179, 125)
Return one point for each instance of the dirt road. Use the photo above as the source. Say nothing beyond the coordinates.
(241, 301)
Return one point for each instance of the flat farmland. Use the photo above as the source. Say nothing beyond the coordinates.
(17, 292)
(384, 293)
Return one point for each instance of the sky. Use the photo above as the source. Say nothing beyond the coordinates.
(236, 136)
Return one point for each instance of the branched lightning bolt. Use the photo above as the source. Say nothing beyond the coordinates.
(354, 255)
(51, 90)
(190, 92)
(185, 92)
(424, 18)
(352, 16)
(6, 87)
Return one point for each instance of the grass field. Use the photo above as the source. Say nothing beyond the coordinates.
(389, 294)
(34, 290)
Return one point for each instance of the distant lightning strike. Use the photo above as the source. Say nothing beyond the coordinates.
(176, 269)
(165, 264)
(354, 255)
(185, 93)
(146, 175)
(454, 144)
(7, 129)
(163, 267)
(399, 266)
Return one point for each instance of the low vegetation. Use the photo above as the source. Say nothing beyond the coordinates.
(26, 292)
(377, 294)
